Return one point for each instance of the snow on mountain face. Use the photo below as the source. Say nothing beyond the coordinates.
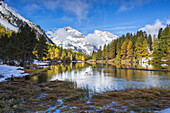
(70, 38)
(12, 20)
(7, 25)
(100, 38)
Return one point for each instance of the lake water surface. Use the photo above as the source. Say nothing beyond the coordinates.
(102, 78)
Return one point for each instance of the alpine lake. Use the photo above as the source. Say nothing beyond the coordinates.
(100, 78)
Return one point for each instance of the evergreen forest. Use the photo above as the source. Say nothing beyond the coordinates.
(137, 46)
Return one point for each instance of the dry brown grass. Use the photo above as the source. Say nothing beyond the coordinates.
(138, 100)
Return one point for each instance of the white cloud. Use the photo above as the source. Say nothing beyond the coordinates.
(65, 18)
(50, 4)
(167, 21)
(78, 7)
(124, 8)
(153, 29)
(31, 7)
(121, 28)
(126, 5)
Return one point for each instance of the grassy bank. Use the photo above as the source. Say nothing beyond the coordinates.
(22, 96)
(138, 100)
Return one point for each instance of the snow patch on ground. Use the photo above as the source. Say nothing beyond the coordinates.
(146, 65)
(144, 62)
(164, 111)
(7, 71)
(39, 63)
(164, 60)
(164, 65)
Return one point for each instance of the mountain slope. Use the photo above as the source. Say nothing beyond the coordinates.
(100, 38)
(70, 38)
(12, 20)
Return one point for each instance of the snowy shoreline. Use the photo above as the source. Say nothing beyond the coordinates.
(7, 71)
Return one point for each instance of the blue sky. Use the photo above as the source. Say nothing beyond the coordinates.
(115, 16)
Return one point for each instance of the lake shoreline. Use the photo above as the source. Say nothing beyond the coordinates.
(142, 69)
(48, 94)
(128, 61)
(111, 62)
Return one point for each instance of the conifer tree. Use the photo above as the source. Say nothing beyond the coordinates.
(4, 46)
(68, 55)
(123, 38)
(139, 47)
(42, 47)
(128, 37)
(71, 57)
(104, 52)
(130, 50)
(145, 48)
(124, 50)
(63, 55)
(28, 41)
(99, 53)
(51, 52)
(83, 58)
(165, 41)
(107, 52)
(159, 33)
(150, 42)
(94, 56)
(10, 50)
(118, 48)
(76, 57)
(112, 49)
(157, 54)
(57, 53)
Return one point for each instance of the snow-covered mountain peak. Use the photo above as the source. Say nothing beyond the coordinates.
(66, 32)
(104, 33)
(68, 28)
(73, 32)
(100, 38)
(70, 38)
(97, 32)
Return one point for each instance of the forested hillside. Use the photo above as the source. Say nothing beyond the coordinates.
(136, 46)
(58, 53)
(24, 47)
(20, 46)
